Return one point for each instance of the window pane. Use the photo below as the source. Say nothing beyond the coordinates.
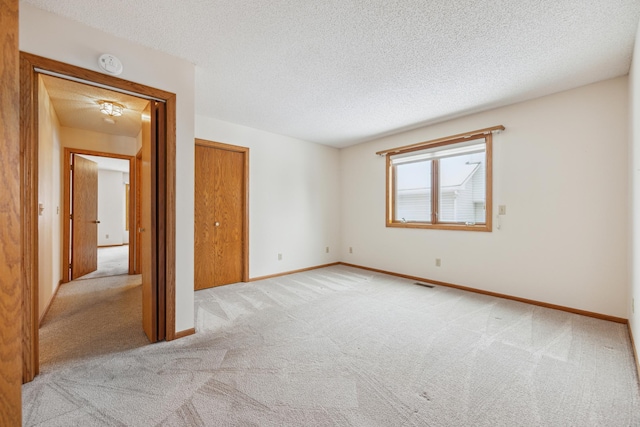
(413, 192)
(462, 189)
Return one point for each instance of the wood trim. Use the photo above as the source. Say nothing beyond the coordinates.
(94, 76)
(170, 218)
(222, 146)
(245, 232)
(66, 232)
(160, 204)
(29, 201)
(46, 310)
(495, 294)
(11, 269)
(488, 219)
(66, 226)
(435, 192)
(635, 353)
(286, 273)
(184, 333)
(389, 190)
(445, 226)
(440, 141)
(28, 192)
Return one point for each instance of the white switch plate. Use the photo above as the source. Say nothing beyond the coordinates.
(502, 210)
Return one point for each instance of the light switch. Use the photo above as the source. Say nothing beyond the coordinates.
(502, 209)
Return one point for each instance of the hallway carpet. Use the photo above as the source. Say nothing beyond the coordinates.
(112, 261)
(341, 346)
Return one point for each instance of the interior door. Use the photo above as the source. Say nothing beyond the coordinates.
(219, 216)
(138, 218)
(145, 226)
(84, 211)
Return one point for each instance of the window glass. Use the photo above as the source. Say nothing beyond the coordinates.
(462, 189)
(413, 191)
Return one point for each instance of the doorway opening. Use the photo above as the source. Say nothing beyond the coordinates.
(114, 248)
(158, 163)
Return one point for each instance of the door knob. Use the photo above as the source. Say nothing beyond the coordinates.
(217, 224)
(97, 222)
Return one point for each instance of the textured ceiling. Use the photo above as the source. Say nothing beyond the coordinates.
(77, 106)
(340, 72)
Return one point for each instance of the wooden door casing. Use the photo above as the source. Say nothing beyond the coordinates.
(221, 214)
(84, 252)
(31, 67)
(11, 264)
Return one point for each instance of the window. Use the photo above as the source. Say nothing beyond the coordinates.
(443, 184)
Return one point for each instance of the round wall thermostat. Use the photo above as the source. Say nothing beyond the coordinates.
(110, 64)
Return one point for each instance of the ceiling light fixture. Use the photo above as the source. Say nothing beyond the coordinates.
(111, 108)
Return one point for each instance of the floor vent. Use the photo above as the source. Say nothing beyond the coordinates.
(424, 284)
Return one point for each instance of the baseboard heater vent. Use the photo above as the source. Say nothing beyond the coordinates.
(426, 285)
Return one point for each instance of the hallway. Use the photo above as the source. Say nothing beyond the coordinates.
(91, 317)
(112, 261)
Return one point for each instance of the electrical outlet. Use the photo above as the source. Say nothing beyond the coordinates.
(350, 250)
(327, 249)
(438, 262)
(106, 236)
(502, 209)
(279, 257)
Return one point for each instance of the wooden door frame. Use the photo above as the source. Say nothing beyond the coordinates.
(29, 71)
(11, 271)
(66, 231)
(245, 214)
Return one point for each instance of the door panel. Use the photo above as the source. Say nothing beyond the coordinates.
(149, 297)
(219, 216)
(204, 219)
(84, 254)
(138, 219)
(228, 207)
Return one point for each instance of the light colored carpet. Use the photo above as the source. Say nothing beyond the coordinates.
(112, 261)
(346, 347)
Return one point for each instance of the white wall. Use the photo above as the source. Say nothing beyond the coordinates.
(560, 168)
(634, 193)
(97, 141)
(48, 35)
(49, 222)
(111, 207)
(294, 197)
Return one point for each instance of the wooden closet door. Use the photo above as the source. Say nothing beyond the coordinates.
(219, 216)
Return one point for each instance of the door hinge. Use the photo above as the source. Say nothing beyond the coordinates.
(69, 265)
(71, 167)
(71, 217)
